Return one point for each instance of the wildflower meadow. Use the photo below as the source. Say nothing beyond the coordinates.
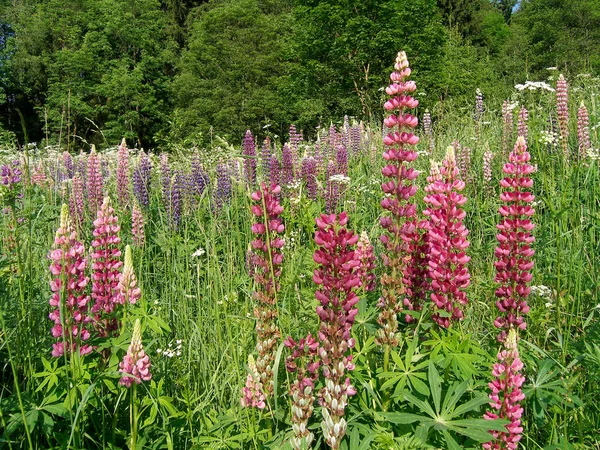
(429, 282)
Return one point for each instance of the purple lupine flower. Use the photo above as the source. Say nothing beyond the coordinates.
(562, 112)
(522, 123)
(141, 180)
(309, 176)
(265, 156)
(135, 366)
(337, 278)
(514, 253)
(80, 168)
(342, 160)
(355, 140)
(104, 169)
(583, 131)
(123, 181)
(506, 396)
(275, 171)
(94, 183)
(332, 189)
(222, 194)
(68, 167)
(250, 159)
(200, 177)
(287, 166)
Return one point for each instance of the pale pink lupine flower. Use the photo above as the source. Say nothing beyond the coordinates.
(252, 392)
(562, 111)
(76, 202)
(506, 396)
(135, 366)
(94, 183)
(128, 291)
(583, 131)
(137, 226)
(68, 290)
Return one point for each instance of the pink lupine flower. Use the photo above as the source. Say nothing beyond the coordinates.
(522, 123)
(128, 291)
(562, 111)
(137, 226)
(583, 131)
(507, 130)
(266, 258)
(252, 393)
(398, 192)
(514, 253)
(337, 277)
(94, 183)
(123, 180)
(365, 254)
(105, 268)
(447, 243)
(303, 362)
(38, 177)
(488, 156)
(416, 274)
(506, 396)
(135, 366)
(69, 299)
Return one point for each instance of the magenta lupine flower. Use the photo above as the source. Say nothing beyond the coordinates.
(250, 158)
(128, 291)
(506, 396)
(507, 129)
(309, 176)
(94, 183)
(304, 363)
(287, 166)
(337, 277)
(265, 156)
(416, 274)
(76, 203)
(266, 264)
(68, 167)
(522, 128)
(398, 192)
(562, 112)
(366, 256)
(137, 227)
(69, 299)
(252, 392)
(583, 131)
(447, 243)
(275, 171)
(123, 181)
(514, 253)
(106, 265)
(488, 156)
(135, 366)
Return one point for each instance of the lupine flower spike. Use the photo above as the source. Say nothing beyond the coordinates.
(514, 253)
(365, 254)
(507, 129)
(250, 159)
(123, 181)
(506, 396)
(266, 259)
(94, 183)
(304, 363)
(398, 192)
(135, 366)
(583, 131)
(69, 299)
(522, 128)
(137, 227)
(337, 277)
(562, 111)
(447, 243)
(128, 291)
(252, 392)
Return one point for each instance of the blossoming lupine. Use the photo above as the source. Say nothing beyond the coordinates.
(274, 171)
(266, 261)
(68, 290)
(304, 363)
(94, 183)
(522, 128)
(106, 267)
(223, 193)
(309, 176)
(506, 396)
(127, 289)
(355, 140)
(366, 255)
(200, 178)
(337, 277)
(250, 158)
(514, 253)
(447, 242)
(252, 392)
(332, 188)
(137, 227)
(68, 167)
(76, 204)
(488, 156)
(135, 366)
(287, 166)
(165, 181)
(141, 180)
(562, 111)
(583, 131)
(123, 182)
(265, 156)
(341, 158)
(507, 129)
(398, 190)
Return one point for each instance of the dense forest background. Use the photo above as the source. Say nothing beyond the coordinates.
(178, 72)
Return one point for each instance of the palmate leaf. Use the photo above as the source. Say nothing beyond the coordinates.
(443, 415)
(409, 373)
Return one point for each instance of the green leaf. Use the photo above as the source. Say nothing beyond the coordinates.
(435, 386)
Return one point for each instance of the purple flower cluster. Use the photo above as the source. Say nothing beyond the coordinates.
(250, 158)
(141, 180)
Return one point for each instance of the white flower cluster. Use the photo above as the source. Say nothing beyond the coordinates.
(342, 179)
(172, 350)
(545, 293)
(534, 86)
(198, 252)
(549, 138)
(593, 154)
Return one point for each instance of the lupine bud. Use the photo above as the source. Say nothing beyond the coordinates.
(514, 255)
(337, 277)
(428, 132)
(123, 182)
(583, 131)
(355, 141)
(250, 158)
(68, 267)
(275, 171)
(506, 396)
(136, 363)
(447, 243)
(332, 189)
(562, 111)
(68, 167)
(398, 192)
